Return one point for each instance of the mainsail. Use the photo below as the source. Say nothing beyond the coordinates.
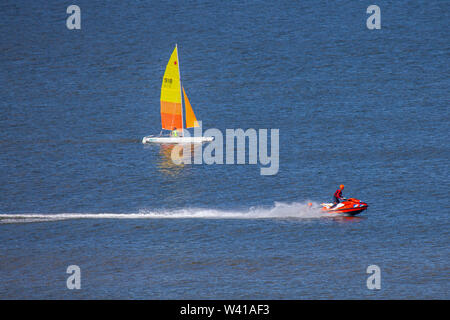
(191, 120)
(171, 110)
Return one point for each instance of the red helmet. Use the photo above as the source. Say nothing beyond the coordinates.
(341, 186)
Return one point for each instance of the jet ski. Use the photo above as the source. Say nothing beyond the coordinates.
(349, 206)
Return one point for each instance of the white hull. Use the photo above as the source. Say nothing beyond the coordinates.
(176, 140)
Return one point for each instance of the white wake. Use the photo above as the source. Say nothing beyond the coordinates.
(307, 210)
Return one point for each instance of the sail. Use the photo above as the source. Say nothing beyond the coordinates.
(171, 110)
(191, 120)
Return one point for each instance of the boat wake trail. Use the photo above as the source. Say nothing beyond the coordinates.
(279, 210)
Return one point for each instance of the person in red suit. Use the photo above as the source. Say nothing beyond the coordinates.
(337, 196)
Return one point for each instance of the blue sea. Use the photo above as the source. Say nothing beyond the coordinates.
(364, 108)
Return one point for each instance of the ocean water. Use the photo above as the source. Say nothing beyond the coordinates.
(366, 108)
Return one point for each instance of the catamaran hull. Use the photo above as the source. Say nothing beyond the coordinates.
(177, 140)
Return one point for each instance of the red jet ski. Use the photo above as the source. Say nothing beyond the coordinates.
(349, 206)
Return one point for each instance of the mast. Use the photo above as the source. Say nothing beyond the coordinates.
(181, 94)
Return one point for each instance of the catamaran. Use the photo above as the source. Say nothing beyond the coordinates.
(172, 108)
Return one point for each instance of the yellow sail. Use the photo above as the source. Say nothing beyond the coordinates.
(171, 112)
(191, 120)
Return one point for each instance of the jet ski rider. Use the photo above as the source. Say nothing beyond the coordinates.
(337, 196)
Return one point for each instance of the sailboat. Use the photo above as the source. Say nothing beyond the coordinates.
(172, 93)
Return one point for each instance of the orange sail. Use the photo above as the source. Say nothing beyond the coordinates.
(171, 110)
(191, 120)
